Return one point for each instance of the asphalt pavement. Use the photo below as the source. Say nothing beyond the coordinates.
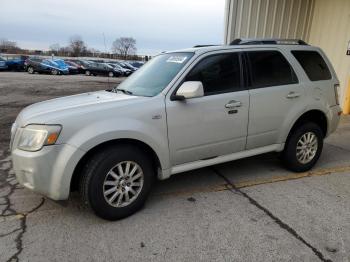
(246, 210)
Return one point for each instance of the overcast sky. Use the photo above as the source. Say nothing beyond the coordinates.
(157, 25)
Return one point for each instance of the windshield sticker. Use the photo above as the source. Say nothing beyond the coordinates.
(176, 59)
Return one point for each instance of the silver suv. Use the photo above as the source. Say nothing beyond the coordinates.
(183, 110)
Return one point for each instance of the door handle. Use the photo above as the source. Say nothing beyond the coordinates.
(293, 95)
(233, 104)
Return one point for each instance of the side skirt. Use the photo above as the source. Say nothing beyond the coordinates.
(222, 159)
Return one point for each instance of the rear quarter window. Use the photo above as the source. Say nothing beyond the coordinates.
(313, 64)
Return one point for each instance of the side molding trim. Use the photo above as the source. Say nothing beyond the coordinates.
(226, 158)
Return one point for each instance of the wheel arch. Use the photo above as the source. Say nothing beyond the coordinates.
(316, 116)
(74, 183)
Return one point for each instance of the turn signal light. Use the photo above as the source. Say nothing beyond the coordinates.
(51, 139)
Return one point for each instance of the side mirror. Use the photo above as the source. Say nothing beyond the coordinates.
(189, 89)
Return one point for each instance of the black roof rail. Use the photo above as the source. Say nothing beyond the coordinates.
(198, 46)
(268, 41)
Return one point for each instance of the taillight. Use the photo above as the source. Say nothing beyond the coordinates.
(336, 92)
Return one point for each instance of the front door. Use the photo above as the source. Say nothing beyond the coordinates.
(215, 124)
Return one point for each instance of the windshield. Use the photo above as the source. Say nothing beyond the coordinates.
(154, 76)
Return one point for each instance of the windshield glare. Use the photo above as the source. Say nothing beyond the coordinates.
(156, 74)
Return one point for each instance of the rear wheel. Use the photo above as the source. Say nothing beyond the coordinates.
(116, 181)
(87, 73)
(303, 147)
(30, 70)
(110, 74)
(54, 72)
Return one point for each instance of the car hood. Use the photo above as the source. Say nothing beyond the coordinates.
(47, 111)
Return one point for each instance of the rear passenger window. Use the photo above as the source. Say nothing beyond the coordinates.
(270, 68)
(218, 74)
(313, 64)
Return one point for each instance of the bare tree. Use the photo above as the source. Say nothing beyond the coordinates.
(55, 48)
(124, 46)
(77, 45)
(7, 45)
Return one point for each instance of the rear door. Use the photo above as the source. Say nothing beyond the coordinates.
(215, 124)
(275, 96)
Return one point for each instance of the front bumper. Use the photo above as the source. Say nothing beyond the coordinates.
(48, 171)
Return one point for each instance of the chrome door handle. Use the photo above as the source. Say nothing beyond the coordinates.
(293, 95)
(233, 104)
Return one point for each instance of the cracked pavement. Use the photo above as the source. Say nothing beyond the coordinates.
(245, 210)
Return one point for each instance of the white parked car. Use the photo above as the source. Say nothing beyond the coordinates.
(183, 110)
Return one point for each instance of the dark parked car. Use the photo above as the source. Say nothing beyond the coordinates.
(123, 71)
(72, 67)
(3, 65)
(101, 69)
(74, 64)
(51, 66)
(16, 62)
(137, 64)
(127, 66)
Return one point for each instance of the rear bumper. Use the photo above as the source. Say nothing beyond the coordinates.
(333, 119)
(47, 171)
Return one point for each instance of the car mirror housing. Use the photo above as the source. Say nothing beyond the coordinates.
(189, 89)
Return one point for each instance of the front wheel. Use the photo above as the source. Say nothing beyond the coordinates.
(116, 181)
(110, 74)
(303, 147)
(30, 70)
(54, 72)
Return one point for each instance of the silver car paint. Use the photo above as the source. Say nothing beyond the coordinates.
(183, 134)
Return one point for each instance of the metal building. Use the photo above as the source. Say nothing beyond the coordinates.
(324, 23)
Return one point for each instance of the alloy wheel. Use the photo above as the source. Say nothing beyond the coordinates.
(307, 147)
(123, 184)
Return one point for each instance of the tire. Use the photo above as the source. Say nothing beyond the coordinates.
(110, 74)
(298, 157)
(87, 73)
(30, 70)
(54, 72)
(102, 170)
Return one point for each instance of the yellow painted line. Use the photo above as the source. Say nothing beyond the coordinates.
(293, 176)
(256, 182)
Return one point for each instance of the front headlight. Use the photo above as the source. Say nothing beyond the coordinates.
(34, 137)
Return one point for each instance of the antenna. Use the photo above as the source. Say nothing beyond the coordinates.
(104, 42)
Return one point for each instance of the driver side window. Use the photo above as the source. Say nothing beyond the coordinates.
(218, 74)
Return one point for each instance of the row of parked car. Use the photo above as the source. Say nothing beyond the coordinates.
(111, 68)
(13, 63)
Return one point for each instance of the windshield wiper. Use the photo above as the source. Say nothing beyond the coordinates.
(124, 91)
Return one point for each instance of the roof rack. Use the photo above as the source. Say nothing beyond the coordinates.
(197, 46)
(268, 41)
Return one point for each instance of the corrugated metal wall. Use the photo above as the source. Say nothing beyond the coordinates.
(330, 30)
(268, 18)
(323, 23)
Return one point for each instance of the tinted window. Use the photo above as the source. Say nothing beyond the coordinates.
(313, 64)
(218, 73)
(270, 68)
